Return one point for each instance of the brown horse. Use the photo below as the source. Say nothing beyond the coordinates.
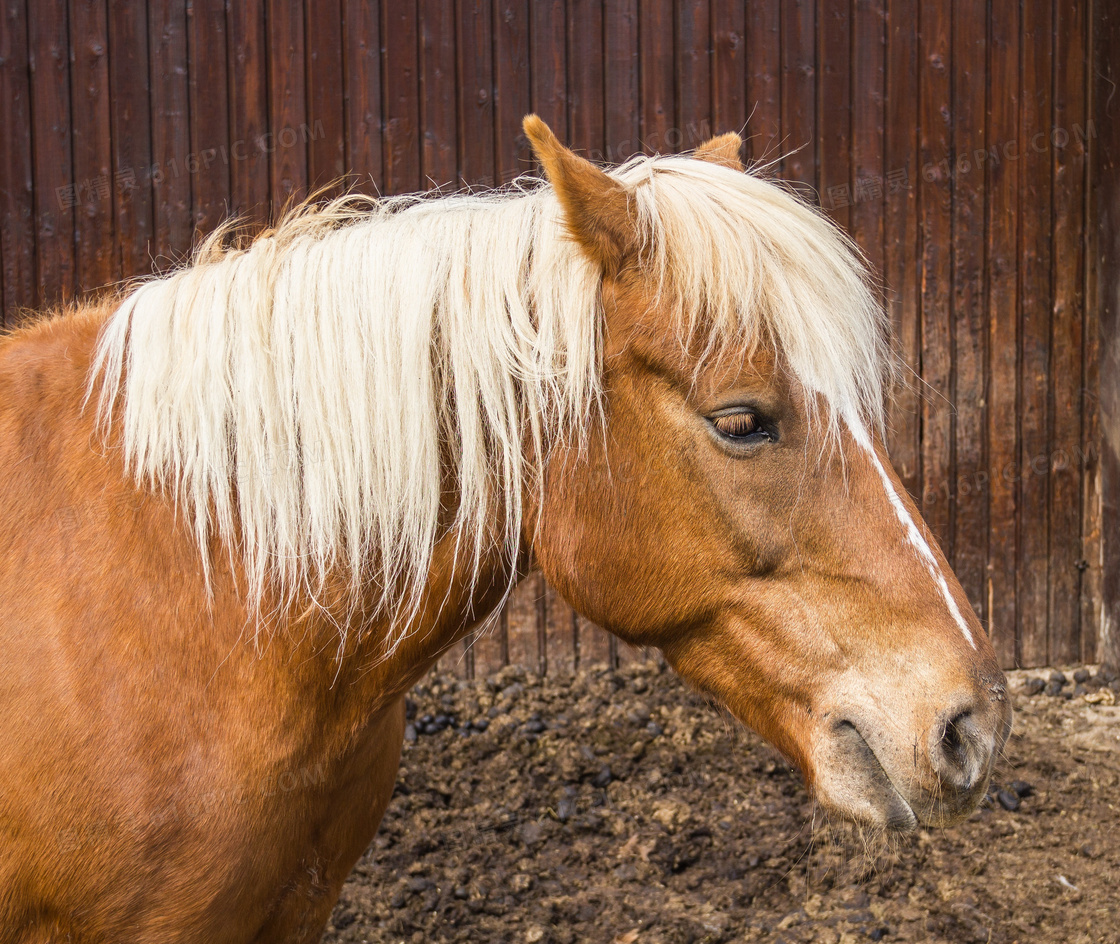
(246, 506)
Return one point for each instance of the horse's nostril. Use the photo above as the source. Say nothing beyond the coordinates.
(959, 756)
(951, 740)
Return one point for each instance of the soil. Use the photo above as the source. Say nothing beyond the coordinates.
(621, 807)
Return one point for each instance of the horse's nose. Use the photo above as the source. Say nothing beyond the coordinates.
(961, 748)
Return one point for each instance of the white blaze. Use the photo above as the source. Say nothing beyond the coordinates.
(913, 533)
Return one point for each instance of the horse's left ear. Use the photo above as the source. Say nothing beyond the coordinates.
(723, 149)
(597, 207)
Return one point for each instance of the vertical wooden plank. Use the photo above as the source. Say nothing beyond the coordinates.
(512, 88)
(1105, 263)
(694, 77)
(1091, 438)
(326, 150)
(868, 169)
(562, 635)
(729, 74)
(623, 88)
(901, 253)
(522, 631)
(94, 262)
(287, 103)
(833, 138)
(170, 111)
(586, 120)
(549, 64)
(1003, 327)
(209, 113)
(248, 110)
(490, 647)
(585, 83)
(799, 93)
(935, 209)
(362, 35)
(476, 93)
(17, 227)
(53, 173)
(541, 602)
(1066, 323)
(656, 75)
(401, 154)
(1034, 299)
(970, 335)
(764, 80)
(132, 136)
(439, 151)
(620, 79)
(595, 647)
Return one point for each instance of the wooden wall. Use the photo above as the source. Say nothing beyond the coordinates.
(950, 137)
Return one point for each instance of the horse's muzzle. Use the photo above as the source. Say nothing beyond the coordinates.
(897, 773)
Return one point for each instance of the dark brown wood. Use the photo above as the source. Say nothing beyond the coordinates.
(561, 635)
(94, 263)
(764, 82)
(586, 121)
(132, 137)
(548, 63)
(1105, 243)
(693, 91)
(1003, 326)
(361, 33)
(1091, 439)
(475, 93)
(729, 59)
(399, 80)
(53, 173)
(491, 649)
(288, 137)
(438, 151)
(512, 154)
(1034, 335)
(969, 509)
(935, 221)
(868, 142)
(207, 161)
(834, 92)
(1066, 320)
(799, 94)
(901, 247)
(656, 75)
(968, 148)
(170, 114)
(326, 150)
(522, 633)
(17, 195)
(621, 80)
(248, 110)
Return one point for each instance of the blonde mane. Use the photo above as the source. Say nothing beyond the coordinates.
(306, 397)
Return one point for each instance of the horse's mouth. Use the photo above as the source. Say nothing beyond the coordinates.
(884, 804)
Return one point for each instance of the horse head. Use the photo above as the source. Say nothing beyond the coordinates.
(735, 506)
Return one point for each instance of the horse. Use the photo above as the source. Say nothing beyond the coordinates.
(246, 505)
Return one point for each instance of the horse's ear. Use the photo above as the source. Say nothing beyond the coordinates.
(723, 149)
(597, 207)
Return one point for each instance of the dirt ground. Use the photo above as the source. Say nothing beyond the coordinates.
(621, 807)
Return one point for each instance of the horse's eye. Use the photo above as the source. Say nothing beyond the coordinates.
(737, 425)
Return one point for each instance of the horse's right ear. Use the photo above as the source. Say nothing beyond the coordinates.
(596, 207)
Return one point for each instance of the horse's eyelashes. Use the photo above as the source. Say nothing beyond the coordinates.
(737, 425)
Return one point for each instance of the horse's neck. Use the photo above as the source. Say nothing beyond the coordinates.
(387, 659)
(450, 606)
